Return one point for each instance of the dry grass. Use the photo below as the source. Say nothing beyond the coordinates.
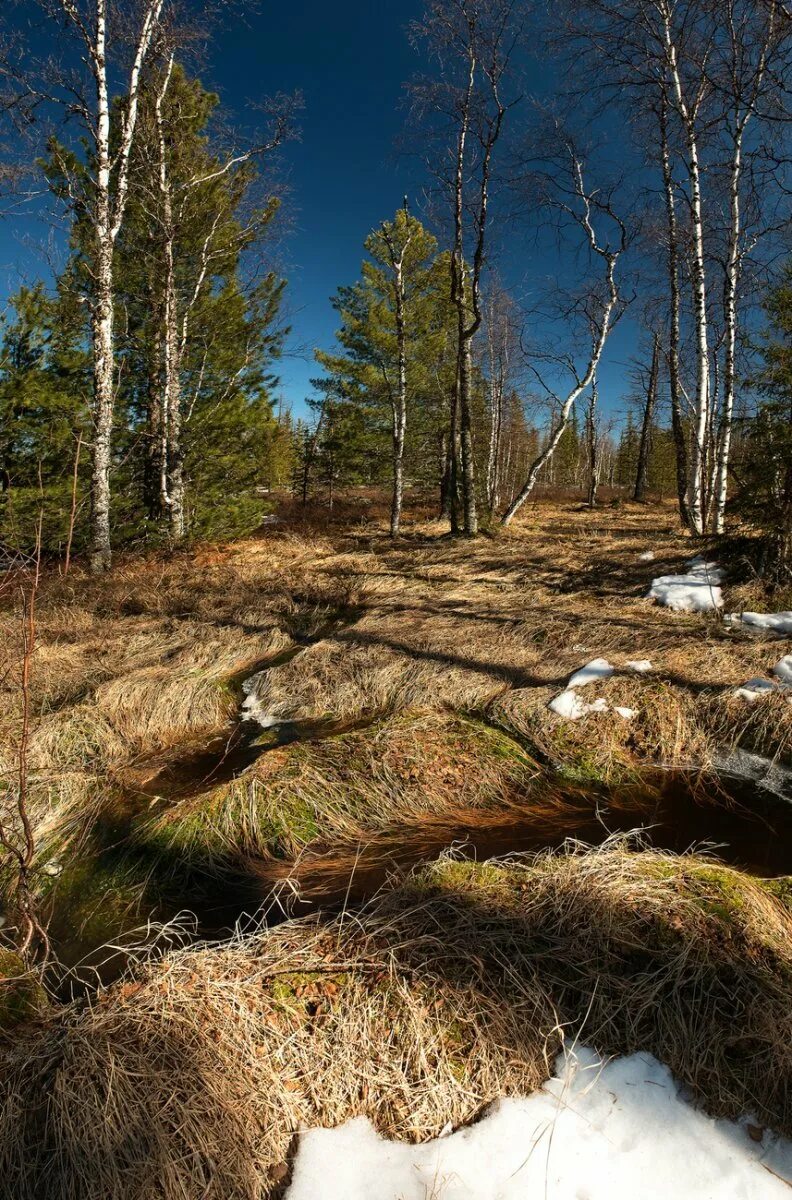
(502, 623)
(192, 1080)
(140, 665)
(340, 789)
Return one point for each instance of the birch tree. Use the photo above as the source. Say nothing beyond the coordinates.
(475, 43)
(502, 346)
(592, 213)
(97, 190)
(192, 198)
(593, 445)
(752, 65)
(710, 74)
(650, 405)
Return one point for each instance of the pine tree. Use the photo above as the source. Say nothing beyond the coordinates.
(764, 463)
(44, 416)
(397, 353)
(198, 343)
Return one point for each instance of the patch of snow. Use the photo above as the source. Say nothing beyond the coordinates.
(758, 686)
(595, 1131)
(783, 669)
(627, 713)
(765, 773)
(697, 591)
(647, 556)
(598, 668)
(568, 704)
(252, 707)
(780, 622)
(641, 665)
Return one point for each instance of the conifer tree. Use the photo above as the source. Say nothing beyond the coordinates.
(44, 415)
(396, 332)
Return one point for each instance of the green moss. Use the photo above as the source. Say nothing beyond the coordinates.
(483, 879)
(92, 902)
(238, 818)
(719, 891)
(780, 888)
(298, 989)
(21, 995)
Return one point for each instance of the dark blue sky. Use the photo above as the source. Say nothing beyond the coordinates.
(351, 60)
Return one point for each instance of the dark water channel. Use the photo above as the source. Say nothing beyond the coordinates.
(731, 816)
(730, 819)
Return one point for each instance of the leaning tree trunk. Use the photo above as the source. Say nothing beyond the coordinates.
(593, 449)
(642, 471)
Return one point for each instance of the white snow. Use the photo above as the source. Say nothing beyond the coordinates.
(783, 669)
(647, 556)
(598, 668)
(252, 707)
(568, 704)
(752, 689)
(780, 622)
(596, 1131)
(696, 591)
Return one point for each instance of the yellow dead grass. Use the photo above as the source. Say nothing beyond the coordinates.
(192, 1079)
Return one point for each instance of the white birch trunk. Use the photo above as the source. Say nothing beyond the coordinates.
(699, 280)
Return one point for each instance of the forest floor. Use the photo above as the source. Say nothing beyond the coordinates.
(299, 719)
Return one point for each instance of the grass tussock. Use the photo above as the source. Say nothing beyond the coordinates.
(341, 789)
(451, 989)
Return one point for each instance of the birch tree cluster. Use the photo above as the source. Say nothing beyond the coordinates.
(136, 392)
(167, 308)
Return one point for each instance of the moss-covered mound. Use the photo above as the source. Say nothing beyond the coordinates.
(453, 988)
(21, 994)
(343, 787)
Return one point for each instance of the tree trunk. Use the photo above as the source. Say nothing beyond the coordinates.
(699, 281)
(642, 471)
(600, 337)
(108, 212)
(445, 475)
(400, 401)
(102, 322)
(593, 454)
(730, 315)
(497, 384)
(470, 513)
(677, 421)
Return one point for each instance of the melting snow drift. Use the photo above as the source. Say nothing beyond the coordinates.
(780, 622)
(596, 1131)
(697, 591)
(568, 704)
(598, 668)
(759, 686)
(571, 707)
